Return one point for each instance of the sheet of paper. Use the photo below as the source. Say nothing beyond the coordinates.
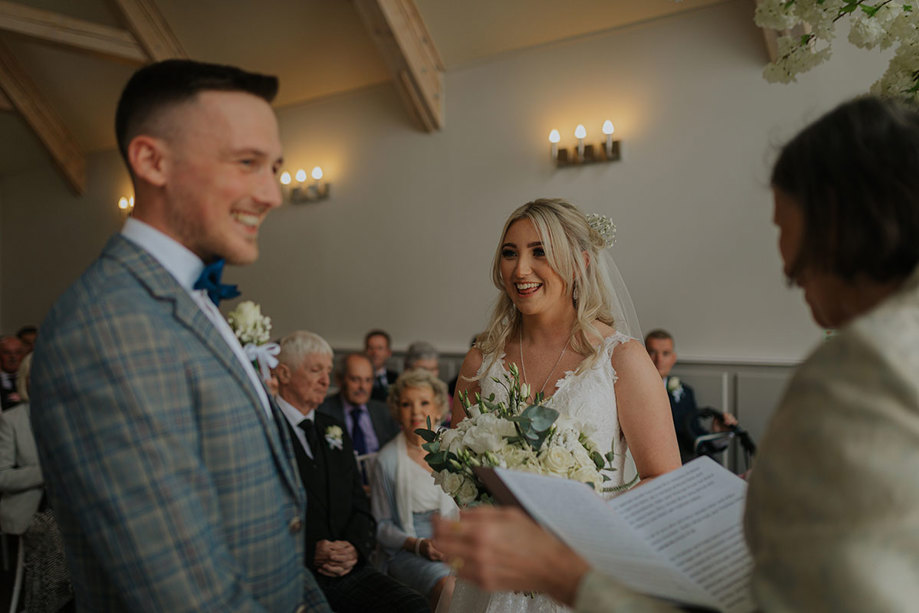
(585, 522)
(693, 517)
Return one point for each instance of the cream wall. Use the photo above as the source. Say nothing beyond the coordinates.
(407, 238)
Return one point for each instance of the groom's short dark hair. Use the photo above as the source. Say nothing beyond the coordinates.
(855, 174)
(171, 82)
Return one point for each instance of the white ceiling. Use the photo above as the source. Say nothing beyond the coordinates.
(316, 47)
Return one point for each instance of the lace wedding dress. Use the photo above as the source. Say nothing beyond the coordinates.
(589, 397)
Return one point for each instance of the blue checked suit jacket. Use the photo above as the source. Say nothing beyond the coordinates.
(173, 489)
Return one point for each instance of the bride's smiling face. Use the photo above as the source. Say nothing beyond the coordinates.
(529, 280)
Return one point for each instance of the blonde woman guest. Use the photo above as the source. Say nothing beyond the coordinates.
(571, 334)
(405, 496)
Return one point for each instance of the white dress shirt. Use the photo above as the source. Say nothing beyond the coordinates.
(186, 267)
(293, 416)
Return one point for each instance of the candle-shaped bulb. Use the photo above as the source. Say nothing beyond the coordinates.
(285, 178)
(131, 202)
(554, 137)
(316, 173)
(608, 127)
(301, 175)
(580, 132)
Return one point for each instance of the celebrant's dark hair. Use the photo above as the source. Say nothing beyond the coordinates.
(855, 175)
(165, 84)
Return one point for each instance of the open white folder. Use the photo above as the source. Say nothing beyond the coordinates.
(678, 537)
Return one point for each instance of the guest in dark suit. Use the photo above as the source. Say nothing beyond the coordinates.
(340, 530)
(168, 467)
(378, 348)
(369, 423)
(686, 421)
(11, 354)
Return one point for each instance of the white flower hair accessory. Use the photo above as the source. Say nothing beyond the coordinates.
(604, 226)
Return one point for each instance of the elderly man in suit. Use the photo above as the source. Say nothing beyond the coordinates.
(369, 422)
(340, 530)
(166, 461)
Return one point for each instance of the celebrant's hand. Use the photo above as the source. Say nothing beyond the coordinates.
(334, 558)
(502, 549)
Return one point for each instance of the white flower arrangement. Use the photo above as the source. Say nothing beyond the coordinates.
(253, 331)
(884, 24)
(248, 323)
(514, 435)
(333, 437)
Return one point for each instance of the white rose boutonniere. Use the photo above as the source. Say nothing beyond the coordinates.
(675, 387)
(333, 436)
(253, 331)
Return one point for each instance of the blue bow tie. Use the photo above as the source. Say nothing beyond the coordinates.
(210, 281)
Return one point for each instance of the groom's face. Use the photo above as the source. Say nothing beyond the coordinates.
(223, 154)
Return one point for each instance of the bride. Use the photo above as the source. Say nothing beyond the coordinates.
(559, 320)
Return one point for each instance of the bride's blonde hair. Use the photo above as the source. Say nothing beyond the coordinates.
(565, 236)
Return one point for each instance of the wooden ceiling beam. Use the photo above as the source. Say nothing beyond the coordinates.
(51, 27)
(150, 28)
(411, 56)
(5, 104)
(43, 120)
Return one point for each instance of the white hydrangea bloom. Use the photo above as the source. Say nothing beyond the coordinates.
(773, 15)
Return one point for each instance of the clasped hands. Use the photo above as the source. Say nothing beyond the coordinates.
(334, 558)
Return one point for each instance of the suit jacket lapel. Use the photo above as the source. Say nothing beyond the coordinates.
(163, 286)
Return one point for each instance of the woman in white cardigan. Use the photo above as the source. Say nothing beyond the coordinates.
(47, 585)
(404, 495)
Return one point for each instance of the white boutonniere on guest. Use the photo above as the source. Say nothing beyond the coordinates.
(333, 436)
(253, 330)
(675, 387)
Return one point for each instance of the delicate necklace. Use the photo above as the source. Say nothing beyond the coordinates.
(523, 366)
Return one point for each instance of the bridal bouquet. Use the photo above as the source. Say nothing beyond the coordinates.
(253, 331)
(514, 435)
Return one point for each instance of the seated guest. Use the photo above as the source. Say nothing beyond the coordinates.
(340, 530)
(422, 354)
(378, 348)
(11, 352)
(833, 502)
(27, 335)
(404, 493)
(368, 421)
(686, 420)
(23, 510)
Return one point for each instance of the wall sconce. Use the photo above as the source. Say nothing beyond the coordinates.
(302, 192)
(582, 153)
(126, 204)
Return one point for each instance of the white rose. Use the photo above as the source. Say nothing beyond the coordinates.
(452, 482)
(556, 460)
(586, 474)
(452, 441)
(515, 457)
(467, 493)
(479, 440)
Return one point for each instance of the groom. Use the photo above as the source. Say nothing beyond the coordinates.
(159, 444)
